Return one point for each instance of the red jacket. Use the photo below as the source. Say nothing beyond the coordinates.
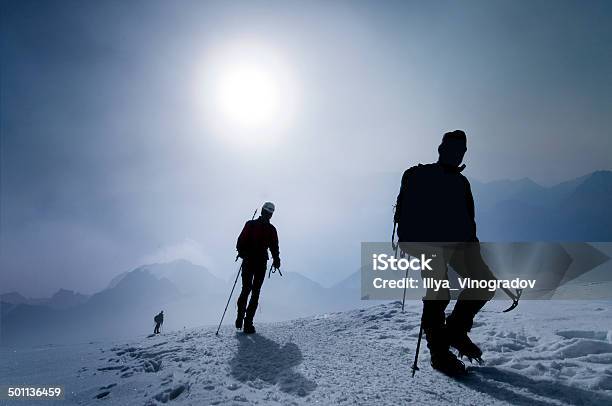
(256, 238)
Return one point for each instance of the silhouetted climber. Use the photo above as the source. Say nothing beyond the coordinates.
(159, 320)
(256, 238)
(435, 216)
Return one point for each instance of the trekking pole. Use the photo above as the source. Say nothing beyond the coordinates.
(405, 277)
(395, 247)
(393, 244)
(229, 299)
(416, 355)
(404, 298)
(233, 287)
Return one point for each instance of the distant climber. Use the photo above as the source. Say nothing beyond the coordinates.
(257, 237)
(159, 320)
(435, 215)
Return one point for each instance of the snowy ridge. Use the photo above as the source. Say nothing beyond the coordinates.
(543, 353)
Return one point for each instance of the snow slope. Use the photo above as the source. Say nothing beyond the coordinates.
(543, 353)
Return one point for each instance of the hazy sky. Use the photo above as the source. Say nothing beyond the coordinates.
(112, 153)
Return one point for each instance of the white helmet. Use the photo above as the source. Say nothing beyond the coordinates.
(268, 206)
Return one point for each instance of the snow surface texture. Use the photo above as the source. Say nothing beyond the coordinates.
(543, 353)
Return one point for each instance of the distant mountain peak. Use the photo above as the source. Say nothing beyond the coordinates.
(13, 298)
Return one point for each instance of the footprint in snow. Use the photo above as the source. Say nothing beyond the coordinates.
(102, 394)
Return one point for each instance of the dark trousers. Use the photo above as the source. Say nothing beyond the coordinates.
(253, 275)
(157, 326)
(467, 262)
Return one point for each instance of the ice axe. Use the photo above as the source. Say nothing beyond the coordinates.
(273, 270)
(514, 296)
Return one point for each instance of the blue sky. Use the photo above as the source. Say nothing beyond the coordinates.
(108, 158)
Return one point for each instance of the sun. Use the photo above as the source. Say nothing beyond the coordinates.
(249, 95)
(251, 92)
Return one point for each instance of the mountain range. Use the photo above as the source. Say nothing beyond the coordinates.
(62, 299)
(522, 210)
(189, 295)
(507, 210)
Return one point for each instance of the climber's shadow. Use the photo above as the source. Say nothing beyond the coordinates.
(264, 359)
